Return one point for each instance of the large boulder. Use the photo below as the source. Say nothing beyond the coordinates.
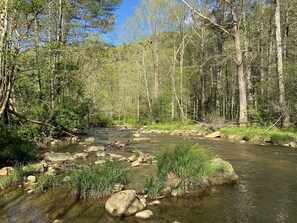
(58, 157)
(124, 203)
(226, 174)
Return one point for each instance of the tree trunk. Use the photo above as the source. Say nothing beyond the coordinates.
(239, 67)
(279, 60)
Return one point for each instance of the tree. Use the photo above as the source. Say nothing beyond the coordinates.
(280, 73)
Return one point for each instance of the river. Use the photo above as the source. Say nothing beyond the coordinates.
(267, 191)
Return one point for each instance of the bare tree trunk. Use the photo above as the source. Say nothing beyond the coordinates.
(5, 79)
(279, 59)
(239, 66)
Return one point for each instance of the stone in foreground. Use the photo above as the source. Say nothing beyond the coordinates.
(124, 203)
(147, 214)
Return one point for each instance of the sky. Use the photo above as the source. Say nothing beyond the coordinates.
(125, 11)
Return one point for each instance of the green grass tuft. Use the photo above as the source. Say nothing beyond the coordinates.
(98, 181)
(46, 182)
(174, 126)
(154, 186)
(190, 163)
(275, 135)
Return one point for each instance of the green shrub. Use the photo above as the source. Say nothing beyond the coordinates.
(15, 150)
(98, 180)
(189, 163)
(154, 186)
(46, 182)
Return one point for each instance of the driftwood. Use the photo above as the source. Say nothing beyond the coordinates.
(40, 123)
(275, 122)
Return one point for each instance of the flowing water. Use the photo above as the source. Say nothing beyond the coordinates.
(267, 191)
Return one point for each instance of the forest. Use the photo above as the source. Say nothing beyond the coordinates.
(224, 62)
(188, 115)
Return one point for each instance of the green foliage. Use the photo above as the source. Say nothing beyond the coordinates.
(17, 176)
(154, 186)
(99, 120)
(191, 163)
(98, 181)
(46, 182)
(15, 149)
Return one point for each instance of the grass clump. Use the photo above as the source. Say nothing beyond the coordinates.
(17, 176)
(98, 181)
(257, 133)
(189, 163)
(154, 186)
(46, 182)
(174, 126)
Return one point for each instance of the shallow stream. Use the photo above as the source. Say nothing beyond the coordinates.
(267, 191)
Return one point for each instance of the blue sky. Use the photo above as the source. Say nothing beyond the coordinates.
(125, 11)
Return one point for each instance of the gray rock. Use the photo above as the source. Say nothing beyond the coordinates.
(174, 192)
(51, 171)
(172, 180)
(31, 179)
(95, 149)
(115, 156)
(124, 203)
(147, 214)
(91, 139)
(227, 174)
(154, 203)
(123, 159)
(80, 156)
(132, 158)
(101, 154)
(99, 162)
(118, 187)
(216, 134)
(5, 171)
(58, 157)
(135, 163)
(139, 140)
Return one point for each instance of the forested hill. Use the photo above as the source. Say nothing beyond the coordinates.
(200, 61)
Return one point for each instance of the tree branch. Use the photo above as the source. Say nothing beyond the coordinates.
(40, 123)
(207, 19)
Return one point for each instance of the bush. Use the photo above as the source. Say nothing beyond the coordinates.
(15, 150)
(98, 181)
(46, 182)
(190, 163)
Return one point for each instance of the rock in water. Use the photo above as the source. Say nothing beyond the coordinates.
(58, 157)
(147, 214)
(124, 203)
(216, 134)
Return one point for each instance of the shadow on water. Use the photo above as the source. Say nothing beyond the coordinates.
(267, 191)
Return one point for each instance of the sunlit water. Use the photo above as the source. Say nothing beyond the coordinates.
(267, 191)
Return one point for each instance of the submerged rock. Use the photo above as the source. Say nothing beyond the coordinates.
(147, 214)
(139, 140)
(95, 149)
(80, 156)
(58, 157)
(124, 203)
